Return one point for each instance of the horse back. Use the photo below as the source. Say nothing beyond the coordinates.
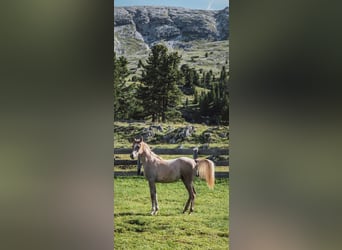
(173, 170)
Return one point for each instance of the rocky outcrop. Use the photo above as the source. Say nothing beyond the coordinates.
(222, 24)
(175, 26)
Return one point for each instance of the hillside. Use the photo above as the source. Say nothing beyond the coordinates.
(136, 29)
(173, 134)
(200, 37)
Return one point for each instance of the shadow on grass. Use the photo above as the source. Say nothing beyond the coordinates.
(148, 214)
(131, 213)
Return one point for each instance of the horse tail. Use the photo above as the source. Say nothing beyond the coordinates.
(206, 170)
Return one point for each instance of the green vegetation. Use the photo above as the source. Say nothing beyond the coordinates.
(135, 228)
(167, 92)
(124, 133)
(218, 52)
(158, 91)
(174, 88)
(217, 55)
(215, 103)
(125, 105)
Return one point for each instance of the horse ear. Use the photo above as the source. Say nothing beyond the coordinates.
(138, 140)
(141, 138)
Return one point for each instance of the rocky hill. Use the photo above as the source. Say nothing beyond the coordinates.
(138, 28)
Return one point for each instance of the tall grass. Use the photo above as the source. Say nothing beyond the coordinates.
(135, 228)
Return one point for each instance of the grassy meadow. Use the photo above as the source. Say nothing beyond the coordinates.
(208, 226)
(134, 227)
(195, 57)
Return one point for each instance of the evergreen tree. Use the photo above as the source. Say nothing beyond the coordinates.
(208, 78)
(215, 103)
(225, 95)
(195, 101)
(158, 91)
(196, 79)
(123, 93)
(203, 79)
(190, 76)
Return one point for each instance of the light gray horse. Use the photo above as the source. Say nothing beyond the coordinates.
(157, 169)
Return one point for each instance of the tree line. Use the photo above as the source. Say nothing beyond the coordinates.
(157, 92)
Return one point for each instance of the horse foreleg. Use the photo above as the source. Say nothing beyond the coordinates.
(153, 193)
(156, 204)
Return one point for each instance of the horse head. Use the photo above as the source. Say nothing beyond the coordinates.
(136, 148)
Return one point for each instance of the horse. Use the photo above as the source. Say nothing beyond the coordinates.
(159, 170)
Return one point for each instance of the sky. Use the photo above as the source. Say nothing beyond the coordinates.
(192, 4)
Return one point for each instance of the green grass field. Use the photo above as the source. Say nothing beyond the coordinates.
(135, 228)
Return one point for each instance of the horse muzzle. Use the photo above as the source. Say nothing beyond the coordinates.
(134, 155)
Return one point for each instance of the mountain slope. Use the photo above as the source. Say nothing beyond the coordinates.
(138, 28)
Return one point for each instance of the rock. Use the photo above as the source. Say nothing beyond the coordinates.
(222, 21)
(146, 26)
(166, 32)
(188, 131)
(207, 136)
(222, 135)
(158, 127)
(122, 17)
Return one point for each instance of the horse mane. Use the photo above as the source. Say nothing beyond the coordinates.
(148, 150)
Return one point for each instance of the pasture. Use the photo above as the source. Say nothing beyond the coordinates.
(134, 227)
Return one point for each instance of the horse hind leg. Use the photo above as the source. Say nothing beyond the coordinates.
(190, 201)
(186, 205)
(193, 196)
(193, 189)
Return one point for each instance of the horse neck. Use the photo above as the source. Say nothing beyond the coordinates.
(147, 154)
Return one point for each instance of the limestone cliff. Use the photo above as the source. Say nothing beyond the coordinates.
(137, 28)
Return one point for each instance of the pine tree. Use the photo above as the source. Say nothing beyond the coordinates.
(224, 96)
(159, 92)
(123, 93)
(203, 79)
(195, 101)
(190, 77)
(208, 78)
(215, 103)
(196, 79)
